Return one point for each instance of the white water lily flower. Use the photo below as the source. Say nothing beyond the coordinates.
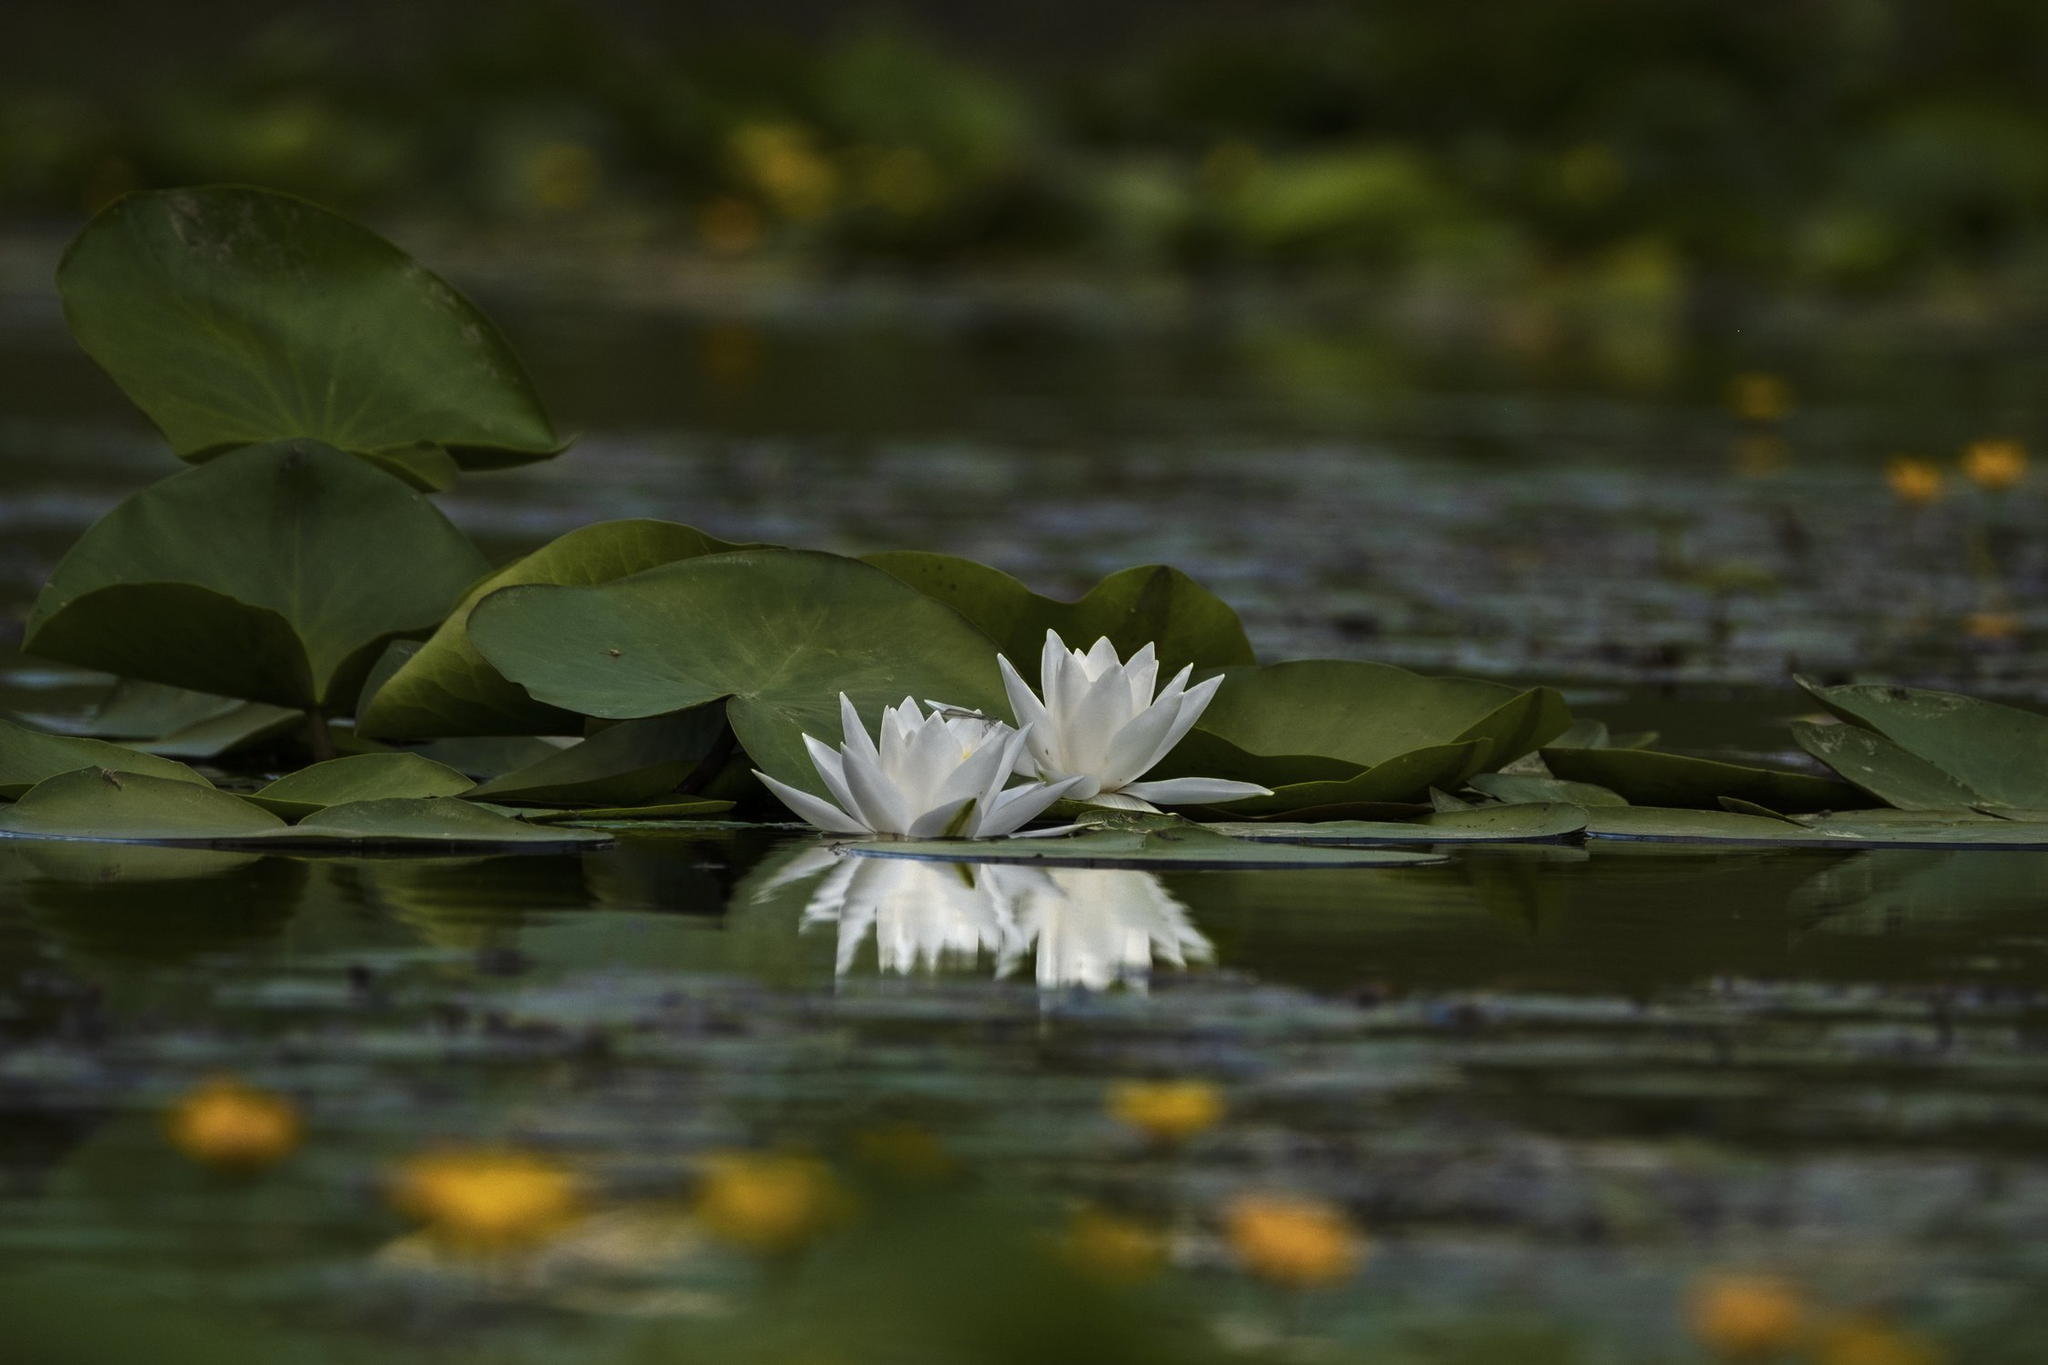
(1099, 720)
(930, 777)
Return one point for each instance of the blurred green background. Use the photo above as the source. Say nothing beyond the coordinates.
(1680, 152)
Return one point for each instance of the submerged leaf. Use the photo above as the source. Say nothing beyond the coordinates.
(276, 573)
(27, 757)
(1154, 604)
(445, 687)
(233, 316)
(777, 634)
(359, 777)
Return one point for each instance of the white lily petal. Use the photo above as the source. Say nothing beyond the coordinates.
(876, 800)
(1098, 710)
(1192, 703)
(936, 821)
(854, 738)
(1018, 807)
(1194, 791)
(985, 769)
(1100, 658)
(1121, 800)
(1052, 661)
(1142, 671)
(816, 810)
(1031, 717)
(832, 769)
(1135, 747)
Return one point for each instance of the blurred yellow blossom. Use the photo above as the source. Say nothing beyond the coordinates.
(1743, 1316)
(1914, 482)
(234, 1126)
(1991, 625)
(485, 1199)
(1760, 397)
(769, 1203)
(783, 161)
(1118, 1250)
(1297, 1243)
(1995, 465)
(1873, 1341)
(562, 175)
(1167, 1111)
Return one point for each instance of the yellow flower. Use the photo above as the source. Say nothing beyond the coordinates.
(1913, 481)
(1991, 625)
(483, 1199)
(1113, 1249)
(1746, 1315)
(225, 1123)
(1759, 397)
(1995, 465)
(768, 1203)
(1298, 1243)
(1872, 1341)
(1167, 1111)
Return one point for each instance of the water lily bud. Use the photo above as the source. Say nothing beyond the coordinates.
(1167, 1111)
(1995, 465)
(1872, 1341)
(1113, 1249)
(1760, 397)
(770, 1204)
(1295, 1243)
(233, 1126)
(1744, 1316)
(485, 1200)
(1913, 482)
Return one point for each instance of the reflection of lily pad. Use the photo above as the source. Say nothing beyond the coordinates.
(233, 316)
(1998, 751)
(1647, 778)
(359, 777)
(444, 687)
(276, 573)
(29, 756)
(630, 763)
(1491, 824)
(777, 634)
(1180, 845)
(1156, 605)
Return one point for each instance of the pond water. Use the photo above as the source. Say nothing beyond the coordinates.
(1554, 1084)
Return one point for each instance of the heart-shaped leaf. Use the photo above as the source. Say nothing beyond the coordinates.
(234, 316)
(444, 687)
(1153, 604)
(359, 777)
(275, 573)
(1998, 751)
(1644, 777)
(28, 757)
(627, 764)
(776, 634)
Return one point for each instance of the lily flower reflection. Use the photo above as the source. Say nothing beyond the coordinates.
(1079, 926)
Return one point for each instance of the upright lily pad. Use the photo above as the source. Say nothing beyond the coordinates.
(1647, 778)
(28, 757)
(445, 687)
(275, 574)
(1998, 751)
(359, 777)
(1153, 604)
(97, 803)
(628, 764)
(776, 634)
(1880, 767)
(234, 316)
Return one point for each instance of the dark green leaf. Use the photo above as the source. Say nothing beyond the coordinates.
(27, 757)
(1523, 787)
(1647, 778)
(359, 777)
(443, 822)
(1882, 768)
(96, 803)
(1998, 751)
(1492, 824)
(627, 764)
(1405, 778)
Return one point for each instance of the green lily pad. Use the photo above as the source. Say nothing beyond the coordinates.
(445, 687)
(1515, 788)
(1587, 733)
(1686, 826)
(1998, 751)
(1646, 778)
(440, 822)
(1492, 824)
(1402, 779)
(484, 757)
(276, 574)
(176, 723)
(1848, 829)
(776, 634)
(234, 316)
(1880, 767)
(28, 757)
(693, 811)
(1186, 847)
(119, 807)
(1153, 604)
(627, 764)
(359, 777)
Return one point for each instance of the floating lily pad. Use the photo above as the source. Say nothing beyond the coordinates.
(1405, 778)
(1525, 787)
(1492, 824)
(276, 574)
(777, 634)
(28, 757)
(174, 722)
(1680, 826)
(1880, 767)
(118, 807)
(2000, 752)
(627, 764)
(233, 316)
(445, 687)
(693, 811)
(1849, 829)
(443, 821)
(359, 777)
(1156, 605)
(1186, 847)
(1646, 778)
(485, 757)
